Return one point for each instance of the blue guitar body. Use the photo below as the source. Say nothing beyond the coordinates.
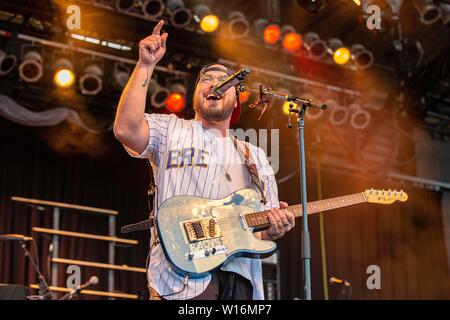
(199, 235)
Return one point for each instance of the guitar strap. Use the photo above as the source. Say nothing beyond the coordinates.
(244, 152)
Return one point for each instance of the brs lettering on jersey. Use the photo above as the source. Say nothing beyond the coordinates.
(179, 158)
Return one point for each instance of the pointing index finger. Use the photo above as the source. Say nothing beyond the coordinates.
(157, 29)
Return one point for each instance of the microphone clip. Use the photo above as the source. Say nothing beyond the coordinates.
(263, 102)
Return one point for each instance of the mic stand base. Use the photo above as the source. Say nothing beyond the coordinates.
(44, 290)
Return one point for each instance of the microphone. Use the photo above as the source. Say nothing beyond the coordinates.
(322, 106)
(77, 289)
(92, 280)
(345, 283)
(14, 237)
(231, 81)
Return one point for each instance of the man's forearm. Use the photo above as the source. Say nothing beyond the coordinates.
(131, 108)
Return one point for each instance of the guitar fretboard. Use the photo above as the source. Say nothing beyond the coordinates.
(260, 220)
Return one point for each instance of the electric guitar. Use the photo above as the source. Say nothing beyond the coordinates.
(199, 235)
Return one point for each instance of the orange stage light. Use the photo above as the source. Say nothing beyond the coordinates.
(272, 34)
(244, 96)
(292, 42)
(175, 102)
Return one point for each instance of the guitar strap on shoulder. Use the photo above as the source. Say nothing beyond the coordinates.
(244, 152)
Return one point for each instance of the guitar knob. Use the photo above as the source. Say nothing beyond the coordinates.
(207, 252)
(213, 251)
(190, 255)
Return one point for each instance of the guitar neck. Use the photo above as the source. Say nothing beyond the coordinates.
(260, 220)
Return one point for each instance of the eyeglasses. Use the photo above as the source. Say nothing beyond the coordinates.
(208, 79)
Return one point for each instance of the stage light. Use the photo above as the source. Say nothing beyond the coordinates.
(362, 57)
(180, 16)
(340, 53)
(316, 47)
(259, 25)
(7, 63)
(158, 94)
(153, 8)
(292, 41)
(124, 5)
(287, 107)
(269, 32)
(445, 16)
(360, 118)
(64, 76)
(338, 114)
(176, 100)
(272, 34)
(91, 82)
(244, 96)
(238, 25)
(208, 21)
(313, 6)
(428, 10)
(31, 70)
(286, 104)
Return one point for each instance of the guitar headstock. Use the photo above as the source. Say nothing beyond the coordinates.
(385, 196)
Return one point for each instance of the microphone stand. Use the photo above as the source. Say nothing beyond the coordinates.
(44, 290)
(264, 96)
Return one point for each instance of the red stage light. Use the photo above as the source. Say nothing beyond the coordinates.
(292, 42)
(175, 102)
(272, 34)
(244, 96)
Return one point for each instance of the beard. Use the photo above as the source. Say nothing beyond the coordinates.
(214, 110)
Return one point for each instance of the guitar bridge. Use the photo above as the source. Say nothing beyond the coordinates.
(197, 230)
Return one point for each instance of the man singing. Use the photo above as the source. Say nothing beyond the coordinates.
(197, 158)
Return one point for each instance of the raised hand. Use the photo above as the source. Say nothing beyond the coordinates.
(153, 47)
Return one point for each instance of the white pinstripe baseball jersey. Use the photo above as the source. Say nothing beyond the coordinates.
(188, 159)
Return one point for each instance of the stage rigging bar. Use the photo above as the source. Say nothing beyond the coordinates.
(92, 292)
(98, 265)
(84, 235)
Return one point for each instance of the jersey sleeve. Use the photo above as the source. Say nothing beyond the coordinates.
(158, 125)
